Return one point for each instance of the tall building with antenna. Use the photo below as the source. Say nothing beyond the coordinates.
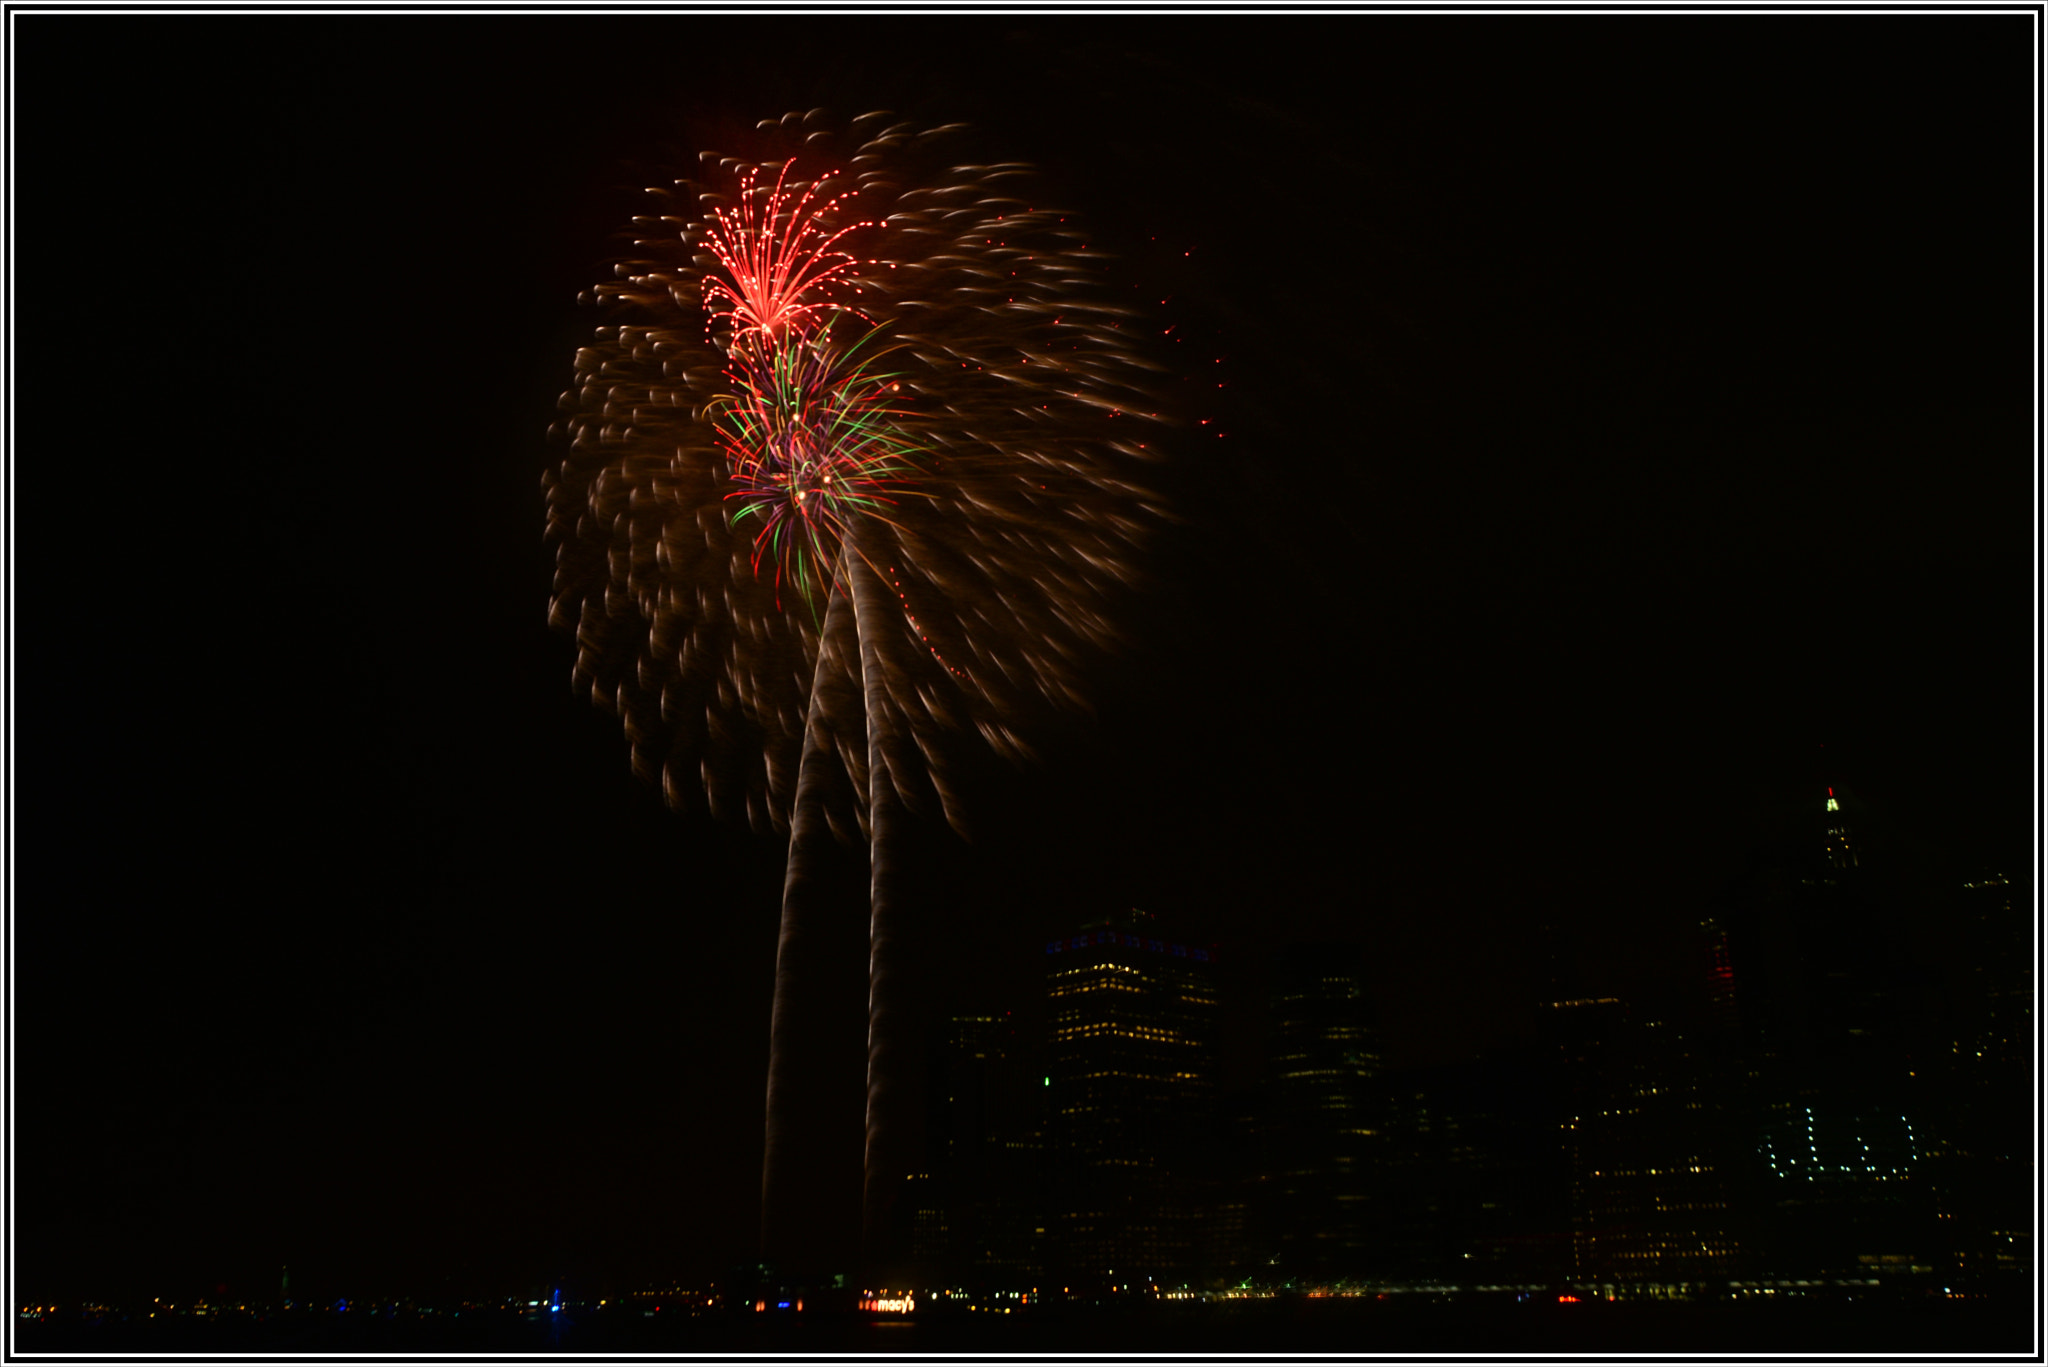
(1818, 976)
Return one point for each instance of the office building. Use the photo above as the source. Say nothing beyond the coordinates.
(983, 1155)
(1653, 1150)
(1130, 1081)
(1324, 1124)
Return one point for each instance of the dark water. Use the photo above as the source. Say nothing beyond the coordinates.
(1349, 1327)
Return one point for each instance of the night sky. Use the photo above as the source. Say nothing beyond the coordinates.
(1627, 430)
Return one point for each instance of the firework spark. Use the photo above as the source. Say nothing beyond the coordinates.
(820, 505)
(812, 442)
(780, 259)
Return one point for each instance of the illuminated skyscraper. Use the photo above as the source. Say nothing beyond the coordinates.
(1650, 1144)
(1325, 1134)
(1823, 957)
(1130, 1086)
(1812, 949)
(1324, 1045)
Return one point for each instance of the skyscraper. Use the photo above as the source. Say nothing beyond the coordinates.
(1821, 960)
(1130, 1086)
(1324, 1135)
(983, 1147)
(1978, 1151)
(1994, 1013)
(1812, 948)
(1650, 1147)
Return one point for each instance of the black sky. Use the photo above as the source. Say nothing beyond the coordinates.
(1618, 410)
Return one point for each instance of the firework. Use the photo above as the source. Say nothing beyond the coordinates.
(779, 258)
(856, 468)
(812, 444)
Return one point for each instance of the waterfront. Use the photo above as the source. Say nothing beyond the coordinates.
(1396, 1326)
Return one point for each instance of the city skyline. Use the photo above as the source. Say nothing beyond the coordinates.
(1324, 1120)
(1594, 493)
(1816, 1034)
